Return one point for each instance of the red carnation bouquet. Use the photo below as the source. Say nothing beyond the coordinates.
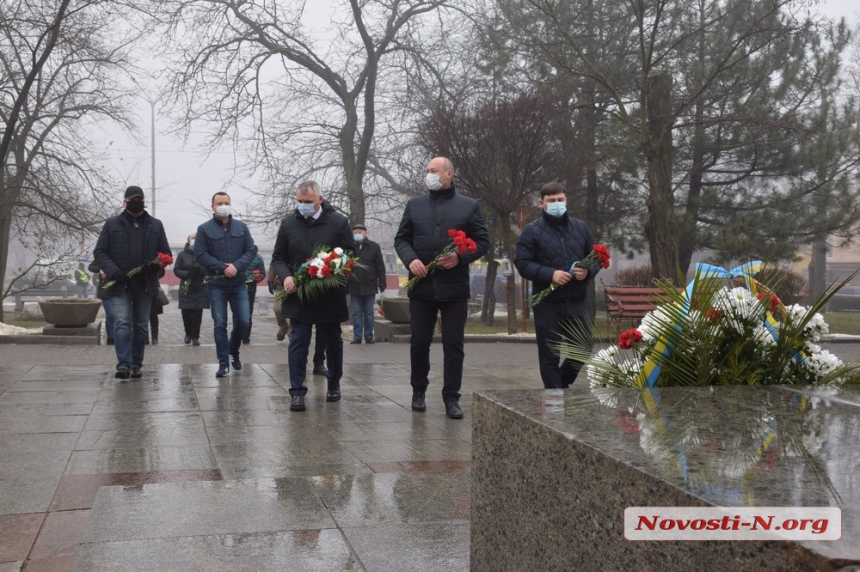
(162, 259)
(599, 256)
(460, 244)
(326, 270)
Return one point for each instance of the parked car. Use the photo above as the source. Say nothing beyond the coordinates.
(846, 300)
(478, 284)
(56, 288)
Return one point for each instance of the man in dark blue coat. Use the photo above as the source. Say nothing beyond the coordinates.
(224, 247)
(546, 250)
(314, 223)
(422, 235)
(131, 239)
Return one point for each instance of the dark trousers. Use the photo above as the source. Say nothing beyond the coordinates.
(319, 349)
(423, 321)
(553, 323)
(153, 325)
(191, 320)
(252, 295)
(300, 343)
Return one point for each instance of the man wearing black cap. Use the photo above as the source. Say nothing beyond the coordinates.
(364, 283)
(129, 240)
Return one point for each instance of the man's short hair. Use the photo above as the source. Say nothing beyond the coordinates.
(553, 188)
(219, 193)
(309, 187)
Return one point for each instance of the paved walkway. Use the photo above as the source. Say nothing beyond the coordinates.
(183, 471)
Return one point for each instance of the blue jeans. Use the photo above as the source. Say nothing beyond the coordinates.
(300, 342)
(110, 319)
(237, 296)
(362, 313)
(131, 311)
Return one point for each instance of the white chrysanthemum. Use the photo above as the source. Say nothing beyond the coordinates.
(654, 323)
(822, 363)
(338, 251)
(816, 327)
(318, 262)
(763, 336)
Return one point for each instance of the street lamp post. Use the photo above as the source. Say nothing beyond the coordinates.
(152, 103)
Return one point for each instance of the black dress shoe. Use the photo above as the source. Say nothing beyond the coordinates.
(187, 339)
(320, 370)
(195, 342)
(353, 342)
(333, 393)
(246, 341)
(298, 403)
(418, 402)
(121, 374)
(452, 410)
(135, 371)
(155, 341)
(369, 342)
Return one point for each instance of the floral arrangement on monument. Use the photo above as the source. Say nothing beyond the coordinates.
(599, 256)
(162, 259)
(326, 270)
(460, 243)
(725, 328)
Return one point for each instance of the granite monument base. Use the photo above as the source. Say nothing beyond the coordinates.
(553, 472)
(92, 330)
(388, 331)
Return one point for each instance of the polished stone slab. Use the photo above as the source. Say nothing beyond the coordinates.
(553, 472)
(136, 460)
(419, 547)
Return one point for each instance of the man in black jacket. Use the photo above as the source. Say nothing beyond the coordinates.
(313, 224)
(422, 235)
(546, 250)
(127, 241)
(364, 284)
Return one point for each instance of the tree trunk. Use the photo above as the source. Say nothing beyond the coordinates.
(5, 237)
(510, 287)
(589, 159)
(687, 234)
(662, 228)
(818, 268)
(487, 309)
(352, 170)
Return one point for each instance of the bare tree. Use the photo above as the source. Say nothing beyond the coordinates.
(59, 68)
(303, 103)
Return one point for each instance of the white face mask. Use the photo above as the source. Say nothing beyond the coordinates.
(432, 181)
(222, 211)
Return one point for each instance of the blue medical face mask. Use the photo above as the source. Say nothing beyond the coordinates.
(358, 237)
(556, 209)
(305, 209)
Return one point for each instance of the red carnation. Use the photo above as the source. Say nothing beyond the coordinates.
(628, 338)
(165, 259)
(313, 270)
(326, 271)
(350, 264)
(714, 315)
(773, 299)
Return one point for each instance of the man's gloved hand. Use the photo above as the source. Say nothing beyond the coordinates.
(271, 287)
(119, 276)
(382, 289)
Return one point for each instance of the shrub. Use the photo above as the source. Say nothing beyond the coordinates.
(790, 286)
(638, 276)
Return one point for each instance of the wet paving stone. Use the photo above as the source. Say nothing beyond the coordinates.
(363, 500)
(205, 508)
(29, 480)
(79, 491)
(419, 547)
(310, 550)
(138, 460)
(60, 534)
(416, 466)
(18, 532)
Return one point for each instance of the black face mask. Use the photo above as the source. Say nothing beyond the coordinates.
(135, 207)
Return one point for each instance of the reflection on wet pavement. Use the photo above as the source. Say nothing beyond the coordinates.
(183, 471)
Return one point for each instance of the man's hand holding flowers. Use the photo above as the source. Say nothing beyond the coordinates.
(447, 259)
